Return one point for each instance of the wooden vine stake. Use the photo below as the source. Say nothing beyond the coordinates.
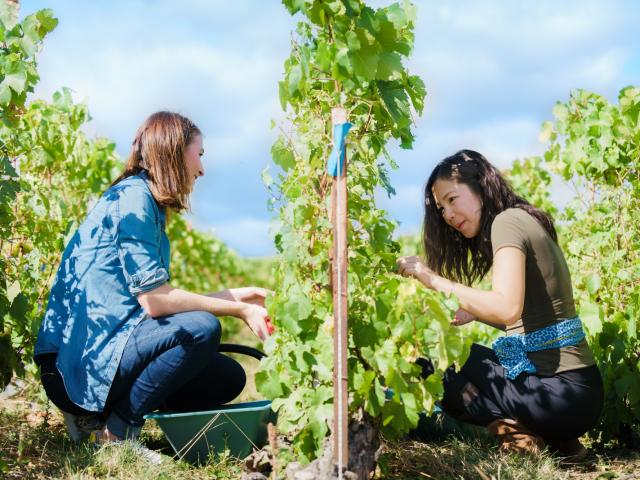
(339, 282)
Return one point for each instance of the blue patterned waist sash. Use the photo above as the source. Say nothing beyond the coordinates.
(512, 350)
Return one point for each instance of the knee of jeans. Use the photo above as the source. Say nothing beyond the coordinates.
(205, 327)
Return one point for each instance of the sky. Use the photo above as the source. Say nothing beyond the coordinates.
(493, 71)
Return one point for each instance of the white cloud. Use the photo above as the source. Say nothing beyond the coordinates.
(488, 59)
(493, 70)
(517, 25)
(247, 235)
(501, 141)
(128, 85)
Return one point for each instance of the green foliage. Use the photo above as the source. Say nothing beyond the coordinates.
(258, 271)
(60, 173)
(201, 262)
(346, 53)
(475, 332)
(531, 181)
(595, 145)
(20, 43)
(50, 175)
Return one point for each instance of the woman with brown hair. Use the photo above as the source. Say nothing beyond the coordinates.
(117, 340)
(539, 385)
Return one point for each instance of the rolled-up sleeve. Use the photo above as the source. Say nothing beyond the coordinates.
(138, 236)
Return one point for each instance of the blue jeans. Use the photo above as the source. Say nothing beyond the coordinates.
(169, 363)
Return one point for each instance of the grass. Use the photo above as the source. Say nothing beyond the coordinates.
(480, 459)
(34, 445)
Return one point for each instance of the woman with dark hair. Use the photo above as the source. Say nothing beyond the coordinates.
(539, 385)
(117, 340)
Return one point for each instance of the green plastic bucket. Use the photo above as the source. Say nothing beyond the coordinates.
(238, 428)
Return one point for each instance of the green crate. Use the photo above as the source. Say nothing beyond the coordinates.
(238, 428)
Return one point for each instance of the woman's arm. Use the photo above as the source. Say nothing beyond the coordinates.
(499, 307)
(166, 300)
(255, 295)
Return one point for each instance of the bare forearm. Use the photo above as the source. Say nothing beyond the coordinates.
(499, 307)
(166, 300)
(487, 306)
(222, 295)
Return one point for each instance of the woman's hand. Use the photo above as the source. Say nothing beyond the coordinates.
(252, 295)
(257, 319)
(463, 317)
(414, 267)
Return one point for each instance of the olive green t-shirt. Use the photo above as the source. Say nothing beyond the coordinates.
(548, 296)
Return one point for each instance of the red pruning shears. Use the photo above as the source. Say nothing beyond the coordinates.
(270, 327)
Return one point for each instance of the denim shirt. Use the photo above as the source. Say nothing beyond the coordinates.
(120, 250)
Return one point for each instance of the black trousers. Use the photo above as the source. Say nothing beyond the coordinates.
(561, 407)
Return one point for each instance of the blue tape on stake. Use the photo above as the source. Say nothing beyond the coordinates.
(337, 153)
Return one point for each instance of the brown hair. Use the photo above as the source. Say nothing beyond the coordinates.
(448, 252)
(158, 148)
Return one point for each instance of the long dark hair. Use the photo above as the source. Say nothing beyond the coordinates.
(448, 252)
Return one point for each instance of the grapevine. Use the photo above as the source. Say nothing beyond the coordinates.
(348, 54)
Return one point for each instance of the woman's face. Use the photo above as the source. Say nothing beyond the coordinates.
(193, 160)
(461, 208)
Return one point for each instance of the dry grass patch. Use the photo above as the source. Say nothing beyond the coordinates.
(480, 459)
(34, 445)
